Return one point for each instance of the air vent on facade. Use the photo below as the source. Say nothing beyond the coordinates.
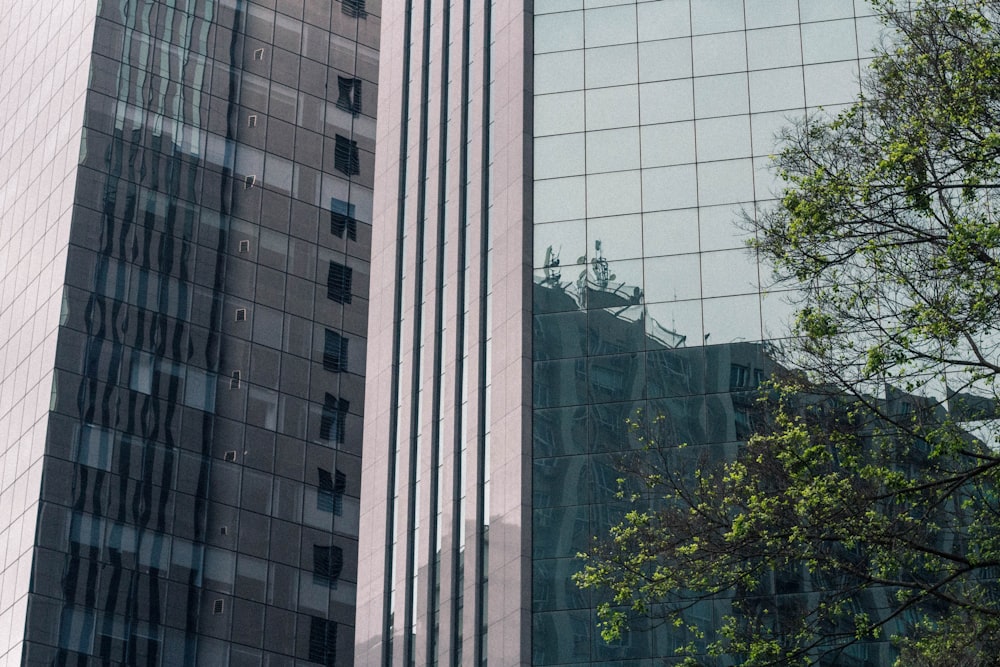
(249, 181)
(230, 455)
(252, 120)
(218, 606)
(234, 381)
(245, 245)
(241, 314)
(258, 54)
(224, 530)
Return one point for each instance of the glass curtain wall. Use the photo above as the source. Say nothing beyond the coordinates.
(202, 471)
(653, 123)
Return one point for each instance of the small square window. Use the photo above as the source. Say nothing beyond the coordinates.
(333, 419)
(258, 54)
(328, 562)
(349, 95)
(241, 314)
(230, 455)
(252, 120)
(245, 245)
(330, 496)
(342, 219)
(338, 283)
(346, 158)
(234, 380)
(354, 8)
(218, 606)
(739, 376)
(322, 641)
(335, 352)
(249, 181)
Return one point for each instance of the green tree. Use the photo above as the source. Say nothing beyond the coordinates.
(865, 481)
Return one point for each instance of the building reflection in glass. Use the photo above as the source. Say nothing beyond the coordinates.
(601, 357)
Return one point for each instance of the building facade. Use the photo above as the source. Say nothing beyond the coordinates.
(184, 236)
(558, 187)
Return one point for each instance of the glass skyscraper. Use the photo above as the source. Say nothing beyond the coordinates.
(557, 196)
(192, 219)
(184, 239)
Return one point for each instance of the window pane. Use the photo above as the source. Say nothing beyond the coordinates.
(728, 272)
(833, 83)
(613, 150)
(667, 144)
(559, 32)
(764, 13)
(567, 240)
(669, 187)
(557, 72)
(664, 59)
(612, 107)
(725, 182)
(613, 194)
(670, 232)
(620, 236)
(733, 319)
(558, 113)
(774, 47)
(611, 25)
(559, 155)
(611, 66)
(559, 199)
(720, 54)
(724, 95)
(673, 278)
(776, 89)
(675, 324)
(665, 18)
(721, 228)
(723, 138)
(666, 101)
(828, 41)
(716, 16)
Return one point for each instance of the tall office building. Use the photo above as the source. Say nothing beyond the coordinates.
(555, 246)
(184, 231)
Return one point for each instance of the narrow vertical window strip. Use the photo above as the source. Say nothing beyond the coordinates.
(391, 551)
(440, 335)
(416, 392)
(482, 500)
(461, 310)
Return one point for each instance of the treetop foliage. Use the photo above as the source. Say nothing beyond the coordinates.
(867, 506)
(889, 221)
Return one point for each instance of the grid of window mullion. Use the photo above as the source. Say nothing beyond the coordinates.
(724, 123)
